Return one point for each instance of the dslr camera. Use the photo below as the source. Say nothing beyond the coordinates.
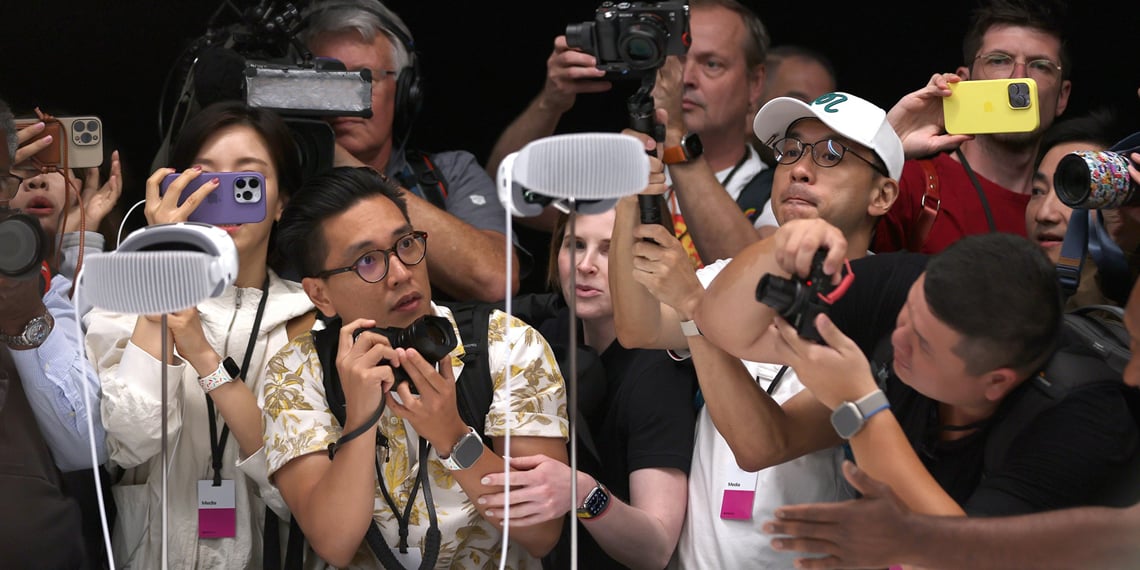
(1098, 180)
(799, 300)
(25, 246)
(632, 39)
(431, 336)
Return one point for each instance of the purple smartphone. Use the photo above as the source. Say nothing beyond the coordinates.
(238, 199)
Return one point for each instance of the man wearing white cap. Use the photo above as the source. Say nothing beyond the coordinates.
(838, 170)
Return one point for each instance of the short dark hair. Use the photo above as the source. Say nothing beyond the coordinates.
(779, 53)
(757, 42)
(1100, 126)
(268, 125)
(1045, 15)
(300, 233)
(1000, 292)
(8, 123)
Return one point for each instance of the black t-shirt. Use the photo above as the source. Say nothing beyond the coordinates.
(1055, 462)
(646, 421)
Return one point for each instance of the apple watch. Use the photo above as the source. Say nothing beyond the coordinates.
(465, 453)
(689, 328)
(34, 334)
(689, 149)
(227, 371)
(850, 417)
(596, 502)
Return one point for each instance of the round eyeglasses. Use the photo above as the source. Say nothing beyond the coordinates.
(373, 265)
(826, 153)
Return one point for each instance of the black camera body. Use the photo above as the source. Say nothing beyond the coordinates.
(24, 244)
(632, 39)
(431, 336)
(798, 300)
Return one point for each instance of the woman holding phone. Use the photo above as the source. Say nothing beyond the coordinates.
(215, 365)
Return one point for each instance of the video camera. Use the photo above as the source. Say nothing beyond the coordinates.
(258, 58)
(632, 39)
(433, 337)
(800, 300)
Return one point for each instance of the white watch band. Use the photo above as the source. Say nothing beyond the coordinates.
(689, 328)
(216, 378)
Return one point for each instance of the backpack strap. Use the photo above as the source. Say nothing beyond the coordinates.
(755, 195)
(930, 204)
(425, 176)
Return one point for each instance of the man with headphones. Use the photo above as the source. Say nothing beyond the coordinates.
(450, 196)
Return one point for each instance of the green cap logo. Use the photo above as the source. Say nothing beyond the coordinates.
(829, 101)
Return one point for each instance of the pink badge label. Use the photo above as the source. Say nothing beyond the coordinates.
(737, 504)
(217, 512)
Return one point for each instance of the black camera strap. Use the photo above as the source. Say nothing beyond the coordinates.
(433, 539)
(218, 444)
(977, 186)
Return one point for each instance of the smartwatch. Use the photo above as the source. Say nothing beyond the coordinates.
(689, 149)
(227, 371)
(465, 453)
(596, 502)
(689, 328)
(34, 334)
(850, 417)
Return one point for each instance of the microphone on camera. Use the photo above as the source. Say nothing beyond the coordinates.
(219, 75)
(161, 269)
(592, 170)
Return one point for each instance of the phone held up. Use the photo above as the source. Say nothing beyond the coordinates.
(238, 199)
(992, 106)
(76, 140)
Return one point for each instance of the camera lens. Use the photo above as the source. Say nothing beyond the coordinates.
(92, 125)
(781, 294)
(85, 138)
(253, 183)
(239, 183)
(642, 45)
(1086, 179)
(581, 36)
(23, 243)
(77, 126)
(247, 195)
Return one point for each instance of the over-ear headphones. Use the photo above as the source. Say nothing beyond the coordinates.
(409, 81)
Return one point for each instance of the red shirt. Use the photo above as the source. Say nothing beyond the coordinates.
(961, 213)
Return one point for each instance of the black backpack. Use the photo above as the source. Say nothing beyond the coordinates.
(474, 389)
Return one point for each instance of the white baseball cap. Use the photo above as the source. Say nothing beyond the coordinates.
(853, 117)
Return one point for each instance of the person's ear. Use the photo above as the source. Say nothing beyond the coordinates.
(963, 72)
(317, 290)
(999, 383)
(883, 195)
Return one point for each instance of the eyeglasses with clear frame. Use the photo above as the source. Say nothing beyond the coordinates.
(827, 153)
(1000, 65)
(372, 267)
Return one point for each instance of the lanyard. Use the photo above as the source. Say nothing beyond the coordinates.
(218, 445)
(433, 538)
(739, 163)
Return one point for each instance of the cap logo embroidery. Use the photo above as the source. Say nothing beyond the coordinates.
(829, 101)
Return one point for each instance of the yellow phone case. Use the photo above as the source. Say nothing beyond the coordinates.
(992, 106)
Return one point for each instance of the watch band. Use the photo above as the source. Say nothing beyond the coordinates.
(34, 334)
(849, 418)
(463, 454)
(689, 328)
(872, 404)
(674, 155)
(597, 502)
(689, 149)
(226, 372)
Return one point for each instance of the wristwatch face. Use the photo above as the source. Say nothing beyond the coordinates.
(847, 420)
(594, 504)
(693, 146)
(467, 451)
(35, 333)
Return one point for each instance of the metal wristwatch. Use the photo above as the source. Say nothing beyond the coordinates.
(850, 417)
(689, 149)
(465, 453)
(596, 502)
(34, 334)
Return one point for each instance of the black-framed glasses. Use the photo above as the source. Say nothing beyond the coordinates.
(1001, 65)
(9, 185)
(373, 265)
(826, 153)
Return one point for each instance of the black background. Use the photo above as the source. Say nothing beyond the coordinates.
(484, 61)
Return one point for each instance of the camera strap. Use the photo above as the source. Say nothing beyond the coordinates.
(978, 187)
(218, 444)
(1086, 234)
(433, 538)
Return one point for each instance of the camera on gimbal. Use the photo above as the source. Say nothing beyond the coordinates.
(800, 300)
(433, 337)
(25, 246)
(632, 39)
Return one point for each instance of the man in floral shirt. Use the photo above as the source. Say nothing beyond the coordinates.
(349, 233)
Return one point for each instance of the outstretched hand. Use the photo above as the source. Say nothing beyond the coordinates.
(98, 201)
(917, 119)
(871, 532)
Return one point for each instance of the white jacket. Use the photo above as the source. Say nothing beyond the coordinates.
(131, 412)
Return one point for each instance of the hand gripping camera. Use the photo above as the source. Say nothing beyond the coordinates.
(431, 336)
(632, 39)
(799, 301)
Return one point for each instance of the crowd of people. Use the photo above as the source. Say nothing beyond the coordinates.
(830, 355)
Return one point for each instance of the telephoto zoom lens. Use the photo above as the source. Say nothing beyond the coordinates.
(1094, 180)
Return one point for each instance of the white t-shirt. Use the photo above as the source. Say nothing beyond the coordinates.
(707, 540)
(751, 166)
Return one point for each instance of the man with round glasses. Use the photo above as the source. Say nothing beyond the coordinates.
(985, 184)
(364, 267)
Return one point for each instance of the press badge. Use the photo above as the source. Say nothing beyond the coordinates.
(217, 509)
(739, 492)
